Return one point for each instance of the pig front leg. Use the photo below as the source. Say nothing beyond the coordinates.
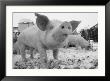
(55, 54)
(31, 52)
(43, 58)
(56, 61)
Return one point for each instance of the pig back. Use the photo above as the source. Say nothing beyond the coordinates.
(30, 36)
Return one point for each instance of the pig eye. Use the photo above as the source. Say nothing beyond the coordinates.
(62, 27)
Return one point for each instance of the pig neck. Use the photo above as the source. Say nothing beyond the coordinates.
(53, 39)
(59, 36)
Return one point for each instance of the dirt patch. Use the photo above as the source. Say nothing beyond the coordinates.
(70, 58)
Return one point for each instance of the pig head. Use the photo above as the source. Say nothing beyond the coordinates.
(46, 34)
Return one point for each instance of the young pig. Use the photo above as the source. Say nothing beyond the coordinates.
(46, 34)
(16, 49)
(76, 40)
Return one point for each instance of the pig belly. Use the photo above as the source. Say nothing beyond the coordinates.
(84, 44)
(52, 45)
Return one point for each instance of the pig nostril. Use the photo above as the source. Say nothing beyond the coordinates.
(69, 27)
(62, 27)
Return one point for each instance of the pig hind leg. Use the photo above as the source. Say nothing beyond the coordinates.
(22, 52)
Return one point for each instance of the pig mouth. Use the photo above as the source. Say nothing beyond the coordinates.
(65, 35)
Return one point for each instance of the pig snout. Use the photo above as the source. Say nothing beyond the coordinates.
(66, 28)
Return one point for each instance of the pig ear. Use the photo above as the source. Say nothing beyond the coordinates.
(42, 21)
(74, 24)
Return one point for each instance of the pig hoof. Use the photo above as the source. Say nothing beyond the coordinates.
(43, 67)
(54, 64)
(24, 60)
(31, 57)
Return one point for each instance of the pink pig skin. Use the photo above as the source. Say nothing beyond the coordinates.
(43, 36)
(76, 40)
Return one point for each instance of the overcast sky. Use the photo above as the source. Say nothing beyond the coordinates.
(87, 19)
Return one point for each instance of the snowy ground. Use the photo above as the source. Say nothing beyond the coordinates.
(70, 58)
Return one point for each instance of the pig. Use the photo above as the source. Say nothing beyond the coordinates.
(16, 48)
(77, 41)
(44, 35)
